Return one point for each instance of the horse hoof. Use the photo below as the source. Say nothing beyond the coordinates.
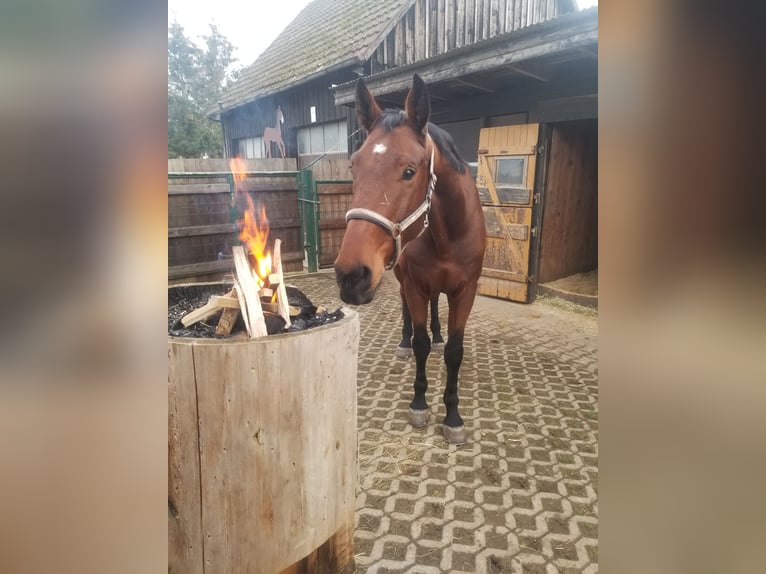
(437, 348)
(418, 419)
(454, 435)
(403, 352)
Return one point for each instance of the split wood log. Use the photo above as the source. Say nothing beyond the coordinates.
(214, 304)
(284, 306)
(200, 314)
(227, 320)
(228, 301)
(242, 306)
(249, 286)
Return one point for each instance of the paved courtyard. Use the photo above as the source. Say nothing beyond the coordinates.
(521, 495)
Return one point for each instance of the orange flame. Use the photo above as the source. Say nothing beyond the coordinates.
(254, 230)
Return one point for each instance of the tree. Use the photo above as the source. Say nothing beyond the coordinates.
(196, 79)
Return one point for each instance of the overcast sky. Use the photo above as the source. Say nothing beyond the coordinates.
(250, 25)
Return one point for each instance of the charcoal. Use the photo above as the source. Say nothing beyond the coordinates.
(186, 298)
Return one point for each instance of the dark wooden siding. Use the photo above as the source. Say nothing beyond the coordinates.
(251, 119)
(569, 238)
(431, 27)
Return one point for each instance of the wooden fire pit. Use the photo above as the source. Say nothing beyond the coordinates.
(262, 452)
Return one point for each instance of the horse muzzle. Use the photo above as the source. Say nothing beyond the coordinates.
(355, 284)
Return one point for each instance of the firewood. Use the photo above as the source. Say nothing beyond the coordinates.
(284, 306)
(266, 292)
(200, 314)
(228, 301)
(270, 307)
(227, 320)
(249, 288)
(214, 304)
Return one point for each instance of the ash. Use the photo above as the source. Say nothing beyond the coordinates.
(184, 299)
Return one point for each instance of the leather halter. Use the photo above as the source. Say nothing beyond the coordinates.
(396, 229)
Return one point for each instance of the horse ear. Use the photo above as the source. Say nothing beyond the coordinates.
(367, 109)
(418, 104)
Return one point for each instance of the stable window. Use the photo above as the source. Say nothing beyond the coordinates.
(511, 179)
(330, 138)
(511, 171)
(250, 148)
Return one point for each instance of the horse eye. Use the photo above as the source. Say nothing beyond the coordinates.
(409, 173)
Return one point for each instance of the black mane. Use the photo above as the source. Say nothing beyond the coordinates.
(390, 119)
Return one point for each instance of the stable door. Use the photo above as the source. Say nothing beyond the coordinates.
(506, 182)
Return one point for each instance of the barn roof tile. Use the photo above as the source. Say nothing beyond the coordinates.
(326, 35)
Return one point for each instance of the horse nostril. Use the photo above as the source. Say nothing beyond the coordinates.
(358, 277)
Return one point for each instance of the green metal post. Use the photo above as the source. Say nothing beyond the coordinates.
(309, 219)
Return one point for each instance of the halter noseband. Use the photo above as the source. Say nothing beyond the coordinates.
(396, 229)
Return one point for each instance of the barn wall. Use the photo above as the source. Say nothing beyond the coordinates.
(431, 27)
(569, 231)
(251, 119)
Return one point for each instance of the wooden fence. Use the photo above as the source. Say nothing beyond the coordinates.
(202, 215)
(334, 201)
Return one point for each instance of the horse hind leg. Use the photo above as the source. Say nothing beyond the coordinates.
(404, 350)
(437, 342)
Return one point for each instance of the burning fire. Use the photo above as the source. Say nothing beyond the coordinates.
(254, 231)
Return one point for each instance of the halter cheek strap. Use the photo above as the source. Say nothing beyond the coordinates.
(393, 228)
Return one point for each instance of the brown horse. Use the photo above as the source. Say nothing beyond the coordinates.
(412, 189)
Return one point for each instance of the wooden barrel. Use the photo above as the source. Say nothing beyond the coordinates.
(262, 452)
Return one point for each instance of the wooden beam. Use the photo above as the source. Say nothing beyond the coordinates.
(545, 40)
(524, 70)
(473, 85)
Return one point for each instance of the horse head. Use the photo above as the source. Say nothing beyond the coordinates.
(392, 176)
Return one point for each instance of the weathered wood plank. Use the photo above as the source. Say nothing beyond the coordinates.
(441, 27)
(334, 188)
(197, 188)
(470, 21)
(494, 17)
(422, 30)
(222, 164)
(201, 230)
(409, 35)
(433, 28)
(503, 289)
(184, 510)
(278, 447)
(200, 268)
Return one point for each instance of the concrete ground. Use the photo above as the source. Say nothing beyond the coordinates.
(521, 495)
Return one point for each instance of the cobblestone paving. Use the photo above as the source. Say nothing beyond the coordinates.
(521, 495)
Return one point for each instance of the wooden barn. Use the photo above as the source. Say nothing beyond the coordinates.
(514, 81)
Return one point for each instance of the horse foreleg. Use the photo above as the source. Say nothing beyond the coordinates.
(404, 351)
(421, 346)
(459, 308)
(437, 343)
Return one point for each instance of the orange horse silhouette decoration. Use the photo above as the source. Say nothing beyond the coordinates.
(274, 135)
